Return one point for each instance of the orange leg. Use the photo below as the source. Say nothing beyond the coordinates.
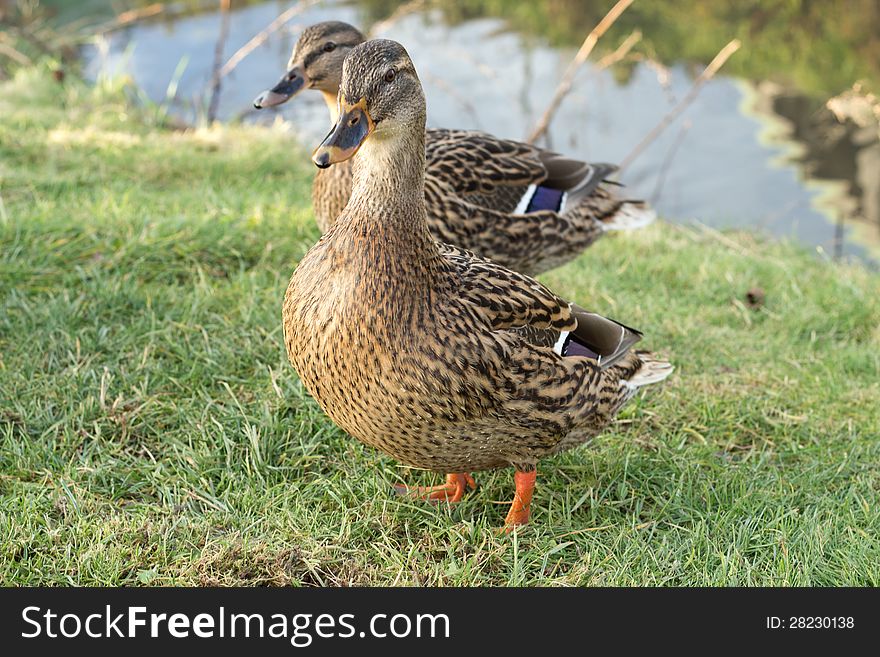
(452, 491)
(522, 499)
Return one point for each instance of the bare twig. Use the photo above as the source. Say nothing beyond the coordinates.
(133, 15)
(403, 10)
(13, 54)
(707, 74)
(667, 162)
(663, 75)
(610, 60)
(622, 51)
(575, 64)
(218, 58)
(261, 37)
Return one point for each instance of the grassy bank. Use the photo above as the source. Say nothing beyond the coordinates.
(151, 430)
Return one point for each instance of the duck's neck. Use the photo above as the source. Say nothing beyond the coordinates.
(388, 182)
(391, 166)
(332, 105)
(386, 211)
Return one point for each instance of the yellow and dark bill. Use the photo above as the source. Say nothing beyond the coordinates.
(288, 86)
(351, 130)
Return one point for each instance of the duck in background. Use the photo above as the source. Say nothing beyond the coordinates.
(522, 206)
(440, 358)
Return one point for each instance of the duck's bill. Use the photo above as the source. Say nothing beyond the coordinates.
(346, 137)
(290, 85)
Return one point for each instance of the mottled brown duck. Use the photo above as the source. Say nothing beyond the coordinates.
(524, 207)
(436, 356)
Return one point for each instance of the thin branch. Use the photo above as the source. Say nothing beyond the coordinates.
(132, 16)
(661, 71)
(707, 74)
(13, 54)
(575, 64)
(667, 162)
(622, 51)
(610, 60)
(403, 10)
(218, 58)
(260, 38)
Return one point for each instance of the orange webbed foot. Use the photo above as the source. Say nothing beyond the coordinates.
(453, 490)
(522, 499)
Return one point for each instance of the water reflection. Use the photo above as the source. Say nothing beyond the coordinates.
(752, 154)
(833, 151)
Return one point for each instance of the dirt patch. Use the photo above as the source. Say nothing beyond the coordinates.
(257, 564)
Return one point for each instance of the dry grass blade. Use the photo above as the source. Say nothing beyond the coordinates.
(582, 54)
(4, 218)
(707, 74)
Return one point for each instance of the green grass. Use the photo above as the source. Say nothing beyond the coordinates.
(152, 432)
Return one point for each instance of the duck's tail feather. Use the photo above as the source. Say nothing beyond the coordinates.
(586, 180)
(632, 215)
(652, 370)
(598, 337)
(565, 173)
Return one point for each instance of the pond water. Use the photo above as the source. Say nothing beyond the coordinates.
(749, 153)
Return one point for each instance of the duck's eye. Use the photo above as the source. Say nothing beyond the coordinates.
(389, 75)
(329, 46)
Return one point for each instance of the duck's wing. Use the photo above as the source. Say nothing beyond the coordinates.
(503, 298)
(546, 367)
(482, 169)
(506, 175)
(511, 302)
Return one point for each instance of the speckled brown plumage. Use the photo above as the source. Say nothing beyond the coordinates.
(331, 189)
(434, 355)
(475, 183)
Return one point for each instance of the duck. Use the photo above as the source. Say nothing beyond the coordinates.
(438, 357)
(525, 207)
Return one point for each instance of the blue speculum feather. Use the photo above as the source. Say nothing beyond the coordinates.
(545, 198)
(574, 348)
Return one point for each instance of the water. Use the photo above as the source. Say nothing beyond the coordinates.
(747, 153)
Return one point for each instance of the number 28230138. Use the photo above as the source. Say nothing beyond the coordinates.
(810, 623)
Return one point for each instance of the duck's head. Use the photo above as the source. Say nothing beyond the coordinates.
(380, 97)
(316, 62)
